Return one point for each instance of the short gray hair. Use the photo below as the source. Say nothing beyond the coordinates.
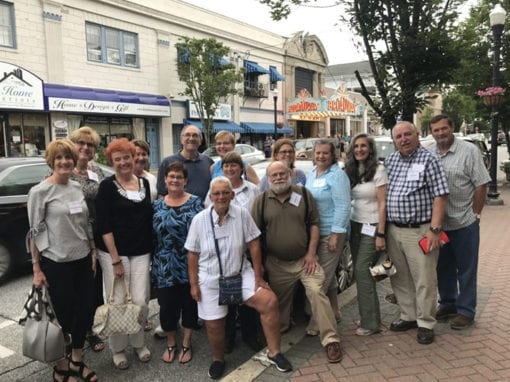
(221, 179)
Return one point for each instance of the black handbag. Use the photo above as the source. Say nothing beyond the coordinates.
(230, 288)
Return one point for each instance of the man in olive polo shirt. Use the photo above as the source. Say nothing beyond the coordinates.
(291, 240)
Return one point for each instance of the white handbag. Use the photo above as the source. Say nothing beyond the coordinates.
(383, 268)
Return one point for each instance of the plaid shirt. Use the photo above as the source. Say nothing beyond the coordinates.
(413, 183)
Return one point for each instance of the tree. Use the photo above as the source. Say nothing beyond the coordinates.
(408, 48)
(459, 107)
(208, 76)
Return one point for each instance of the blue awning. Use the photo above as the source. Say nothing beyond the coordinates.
(218, 126)
(253, 67)
(274, 75)
(265, 128)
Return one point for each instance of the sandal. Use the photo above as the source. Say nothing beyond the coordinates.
(147, 327)
(184, 352)
(95, 342)
(171, 354)
(144, 354)
(90, 377)
(120, 361)
(65, 374)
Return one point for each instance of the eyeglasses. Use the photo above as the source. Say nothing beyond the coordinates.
(222, 193)
(88, 144)
(175, 177)
(188, 136)
(284, 152)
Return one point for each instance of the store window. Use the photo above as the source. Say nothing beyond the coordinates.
(23, 134)
(7, 30)
(110, 128)
(111, 46)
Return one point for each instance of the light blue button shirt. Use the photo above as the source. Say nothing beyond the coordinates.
(332, 193)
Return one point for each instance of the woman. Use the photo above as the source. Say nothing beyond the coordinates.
(329, 186)
(57, 210)
(89, 175)
(368, 181)
(124, 221)
(284, 151)
(224, 143)
(171, 221)
(142, 164)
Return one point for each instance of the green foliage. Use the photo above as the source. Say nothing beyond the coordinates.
(100, 157)
(208, 79)
(459, 107)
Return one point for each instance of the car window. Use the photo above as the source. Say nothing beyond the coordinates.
(300, 145)
(20, 180)
(240, 150)
(384, 149)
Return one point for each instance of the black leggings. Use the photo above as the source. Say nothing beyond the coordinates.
(72, 295)
(173, 301)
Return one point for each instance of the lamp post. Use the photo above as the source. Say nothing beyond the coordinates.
(275, 100)
(497, 20)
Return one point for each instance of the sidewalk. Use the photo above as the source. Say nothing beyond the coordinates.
(481, 353)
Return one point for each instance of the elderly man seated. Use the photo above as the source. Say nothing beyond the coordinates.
(223, 232)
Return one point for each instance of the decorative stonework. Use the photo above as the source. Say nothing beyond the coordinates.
(52, 16)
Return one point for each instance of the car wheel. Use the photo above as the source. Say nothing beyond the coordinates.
(345, 269)
(6, 261)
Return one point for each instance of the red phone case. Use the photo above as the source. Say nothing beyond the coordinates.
(424, 242)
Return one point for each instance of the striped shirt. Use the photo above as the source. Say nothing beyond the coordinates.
(413, 183)
(465, 171)
(237, 230)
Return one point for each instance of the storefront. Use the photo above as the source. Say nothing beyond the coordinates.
(341, 114)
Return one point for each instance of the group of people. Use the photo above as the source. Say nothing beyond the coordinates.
(199, 224)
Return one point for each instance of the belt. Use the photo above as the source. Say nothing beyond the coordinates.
(409, 225)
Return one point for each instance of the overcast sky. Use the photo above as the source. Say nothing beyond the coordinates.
(323, 22)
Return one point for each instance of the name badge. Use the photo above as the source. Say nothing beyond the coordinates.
(295, 199)
(368, 230)
(133, 195)
(321, 182)
(93, 176)
(75, 207)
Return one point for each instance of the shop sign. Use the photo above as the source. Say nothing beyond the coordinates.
(104, 107)
(19, 88)
(223, 111)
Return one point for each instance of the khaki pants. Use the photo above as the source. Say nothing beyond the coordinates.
(283, 277)
(415, 283)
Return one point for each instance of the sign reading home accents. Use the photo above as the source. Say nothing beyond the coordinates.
(223, 111)
(104, 107)
(19, 88)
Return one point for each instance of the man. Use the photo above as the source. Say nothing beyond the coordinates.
(291, 238)
(458, 260)
(415, 204)
(198, 165)
(222, 232)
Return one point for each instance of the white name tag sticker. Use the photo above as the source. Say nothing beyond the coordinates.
(367, 229)
(321, 182)
(418, 167)
(75, 207)
(133, 195)
(93, 176)
(295, 199)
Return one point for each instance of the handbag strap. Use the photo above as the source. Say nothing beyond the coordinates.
(127, 295)
(217, 247)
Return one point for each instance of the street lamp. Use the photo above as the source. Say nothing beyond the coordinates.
(497, 19)
(275, 99)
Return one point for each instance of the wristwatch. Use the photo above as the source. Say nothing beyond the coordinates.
(435, 230)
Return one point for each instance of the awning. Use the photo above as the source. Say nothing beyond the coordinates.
(265, 128)
(274, 75)
(253, 67)
(218, 126)
(103, 101)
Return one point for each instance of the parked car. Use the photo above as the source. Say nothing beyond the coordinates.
(384, 146)
(250, 154)
(17, 176)
(304, 147)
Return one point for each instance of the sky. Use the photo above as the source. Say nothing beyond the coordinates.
(323, 22)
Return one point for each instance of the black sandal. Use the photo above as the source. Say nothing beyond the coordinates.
(79, 373)
(94, 341)
(185, 350)
(65, 374)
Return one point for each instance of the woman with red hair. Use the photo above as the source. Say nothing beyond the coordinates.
(124, 221)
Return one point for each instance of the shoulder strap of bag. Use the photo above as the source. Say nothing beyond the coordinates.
(127, 295)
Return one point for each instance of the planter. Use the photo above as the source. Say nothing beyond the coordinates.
(493, 100)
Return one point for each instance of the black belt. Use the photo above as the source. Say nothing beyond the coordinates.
(409, 225)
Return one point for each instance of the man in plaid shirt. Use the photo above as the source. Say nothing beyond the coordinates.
(416, 201)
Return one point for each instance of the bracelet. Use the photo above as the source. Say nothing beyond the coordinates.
(382, 235)
(117, 263)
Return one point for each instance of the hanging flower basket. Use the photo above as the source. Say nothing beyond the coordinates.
(492, 96)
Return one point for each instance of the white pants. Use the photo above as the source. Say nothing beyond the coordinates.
(136, 274)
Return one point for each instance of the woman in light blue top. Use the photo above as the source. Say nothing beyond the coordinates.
(331, 190)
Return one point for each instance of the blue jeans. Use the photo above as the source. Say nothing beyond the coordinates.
(457, 270)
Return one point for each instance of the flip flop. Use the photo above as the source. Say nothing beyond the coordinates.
(120, 361)
(147, 327)
(96, 343)
(171, 354)
(185, 350)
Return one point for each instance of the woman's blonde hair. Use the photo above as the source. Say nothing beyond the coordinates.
(85, 131)
(226, 136)
(60, 146)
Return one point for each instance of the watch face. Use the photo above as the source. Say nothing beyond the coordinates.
(435, 230)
